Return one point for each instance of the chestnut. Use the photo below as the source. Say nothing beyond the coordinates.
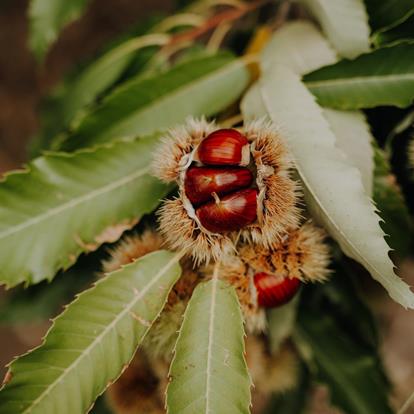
(273, 291)
(201, 182)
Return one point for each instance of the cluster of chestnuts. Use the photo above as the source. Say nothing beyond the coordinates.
(236, 215)
(235, 191)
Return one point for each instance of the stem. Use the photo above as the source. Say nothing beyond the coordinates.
(218, 19)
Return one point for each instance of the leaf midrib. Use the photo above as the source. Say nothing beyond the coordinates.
(126, 310)
(359, 79)
(210, 341)
(73, 203)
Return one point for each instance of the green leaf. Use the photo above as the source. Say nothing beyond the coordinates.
(209, 372)
(392, 207)
(354, 138)
(345, 23)
(103, 73)
(388, 12)
(48, 18)
(89, 345)
(66, 204)
(350, 370)
(401, 32)
(382, 77)
(300, 46)
(333, 189)
(143, 106)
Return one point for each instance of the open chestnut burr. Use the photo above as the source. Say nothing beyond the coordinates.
(233, 184)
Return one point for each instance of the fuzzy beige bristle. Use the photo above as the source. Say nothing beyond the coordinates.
(131, 248)
(279, 191)
(178, 142)
(302, 254)
(271, 373)
(182, 233)
(235, 272)
(139, 390)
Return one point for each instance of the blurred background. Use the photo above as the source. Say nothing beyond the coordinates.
(23, 83)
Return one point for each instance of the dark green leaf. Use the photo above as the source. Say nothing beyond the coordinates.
(382, 77)
(350, 370)
(401, 32)
(392, 207)
(47, 19)
(200, 87)
(383, 13)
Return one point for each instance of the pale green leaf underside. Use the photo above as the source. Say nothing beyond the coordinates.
(90, 344)
(332, 187)
(353, 137)
(301, 47)
(142, 106)
(382, 77)
(209, 373)
(65, 204)
(47, 19)
(345, 23)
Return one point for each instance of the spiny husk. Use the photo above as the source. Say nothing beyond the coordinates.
(278, 192)
(302, 254)
(131, 248)
(183, 233)
(277, 200)
(179, 141)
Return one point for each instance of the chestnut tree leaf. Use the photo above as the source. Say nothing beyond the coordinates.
(352, 371)
(103, 72)
(354, 138)
(387, 13)
(209, 372)
(300, 46)
(66, 204)
(345, 23)
(382, 77)
(332, 186)
(92, 341)
(47, 18)
(142, 106)
(303, 48)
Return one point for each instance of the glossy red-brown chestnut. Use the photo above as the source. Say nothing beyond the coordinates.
(201, 182)
(273, 291)
(224, 147)
(230, 213)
